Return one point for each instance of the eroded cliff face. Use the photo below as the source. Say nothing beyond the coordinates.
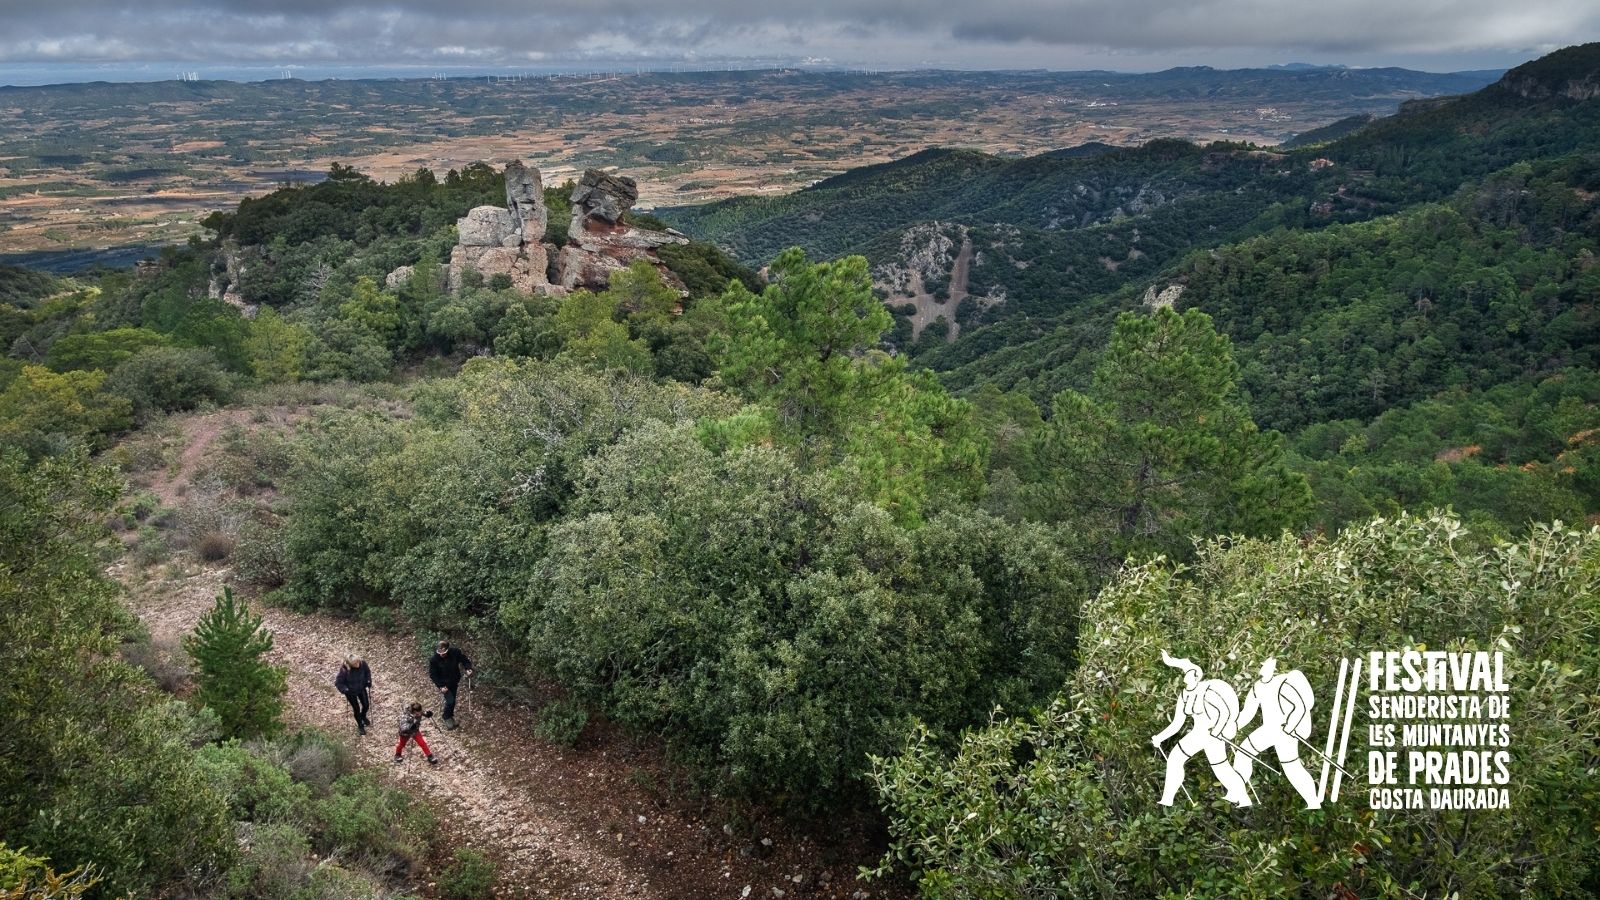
(1586, 87)
(1572, 73)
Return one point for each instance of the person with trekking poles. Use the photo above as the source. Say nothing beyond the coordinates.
(354, 681)
(411, 730)
(445, 669)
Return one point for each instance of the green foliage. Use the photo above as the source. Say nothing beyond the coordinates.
(21, 286)
(445, 515)
(276, 348)
(170, 379)
(309, 828)
(561, 722)
(261, 557)
(775, 631)
(705, 270)
(103, 350)
(470, 876)
(1162, 447)
(592, 336)
(24, 877)
(805, 349)
(353, 207)
(1063, 802)
(93, 767)
(801, 344)
(43, 412)
(257, 789)
(232, 678)
(379, 827)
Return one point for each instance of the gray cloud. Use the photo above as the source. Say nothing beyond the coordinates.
(872, 33)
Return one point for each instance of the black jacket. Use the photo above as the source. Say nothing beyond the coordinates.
(445, 671)
(353, 681)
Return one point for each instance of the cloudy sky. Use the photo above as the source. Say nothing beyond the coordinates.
(123, 39)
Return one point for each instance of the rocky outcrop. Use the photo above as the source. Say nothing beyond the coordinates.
(399, 277)
(225, 286)
(525, 200)
(600, 240)
(603, 197)
(488, 226)
(1166, 297)
(508, 240)
(932, 275)
(1586, 87)
(1572, 73)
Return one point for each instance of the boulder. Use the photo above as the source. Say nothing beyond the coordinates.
(525, 200)
(525, 265)
(487, 226)
(588, 260)
(602, 199)
(398, 278)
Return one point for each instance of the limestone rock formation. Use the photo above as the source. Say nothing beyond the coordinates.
(525, 200)
(493, 240)
(526, 265)
(488, 226)
(600, 240)
(602, 196)
(1166, 297)
(225, 287)
(398, 278)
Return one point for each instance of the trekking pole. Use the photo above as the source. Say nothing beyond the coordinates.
(1251, 755)
(1325, 757)
(1181, 785)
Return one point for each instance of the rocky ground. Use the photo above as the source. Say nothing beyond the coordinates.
(594, 821)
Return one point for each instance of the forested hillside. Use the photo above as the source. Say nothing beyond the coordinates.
(1223, 399)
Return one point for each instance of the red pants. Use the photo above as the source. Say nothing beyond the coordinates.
(400, 747)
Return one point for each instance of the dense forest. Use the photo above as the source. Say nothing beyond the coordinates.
(829, 575)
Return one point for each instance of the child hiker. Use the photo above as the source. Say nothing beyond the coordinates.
(411, 730)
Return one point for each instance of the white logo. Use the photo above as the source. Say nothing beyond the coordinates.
(1284, 703)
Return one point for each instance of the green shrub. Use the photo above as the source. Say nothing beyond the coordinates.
(25, 877)
(469, 876)
(98, 767)
(378, 827)
(775, 632)
(313, 757)
(275, 865)
(169, 379)
(383, 618)
(332, 882)
(258, 789)
(561, 722)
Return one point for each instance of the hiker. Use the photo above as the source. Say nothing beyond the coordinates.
(411, 730)
(1213, 706)
(445, 670)
(1284, 702)
(354, 681)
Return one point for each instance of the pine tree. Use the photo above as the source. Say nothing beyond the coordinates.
(1162, 447)
(234, 680)
(806, 348)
